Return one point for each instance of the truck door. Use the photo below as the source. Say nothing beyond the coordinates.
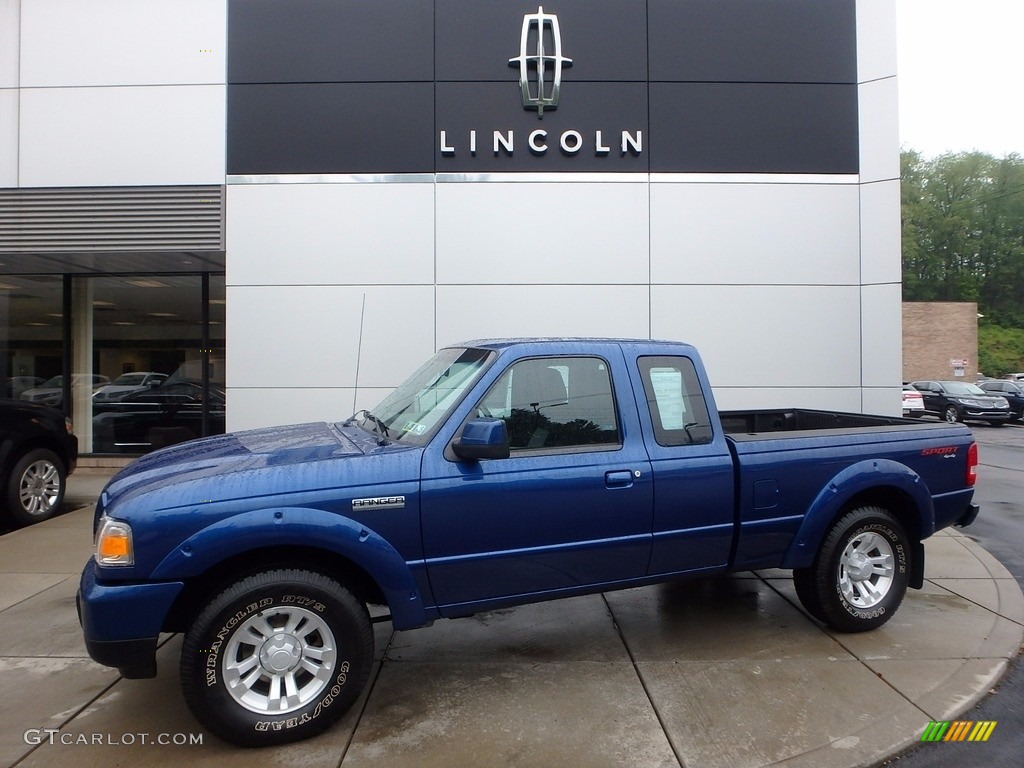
(570, 507)
(693, 468)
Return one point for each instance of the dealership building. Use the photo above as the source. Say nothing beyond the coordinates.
(287, 205)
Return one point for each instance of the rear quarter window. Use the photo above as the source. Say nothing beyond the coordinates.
(675, 401)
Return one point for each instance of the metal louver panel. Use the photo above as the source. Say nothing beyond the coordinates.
(111, 219)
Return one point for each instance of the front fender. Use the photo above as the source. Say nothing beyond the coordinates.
(297, 526)
(864, 476)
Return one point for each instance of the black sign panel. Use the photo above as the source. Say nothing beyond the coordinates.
(584, 133)
(746, 41)
(330, 128)
(426, 86)
(330, 41)
(754, 128)
(607, 41)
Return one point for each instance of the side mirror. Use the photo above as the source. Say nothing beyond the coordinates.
(482, 439)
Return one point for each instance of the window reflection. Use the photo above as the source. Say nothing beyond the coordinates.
(167, 374)
(142, 368)
(31, 349)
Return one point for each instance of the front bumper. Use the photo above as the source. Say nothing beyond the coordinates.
(122, 622)
(986, 415)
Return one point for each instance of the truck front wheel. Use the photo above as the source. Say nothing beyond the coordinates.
(277, 657)
(860, 575)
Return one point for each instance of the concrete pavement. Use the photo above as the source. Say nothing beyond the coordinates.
(709, 672)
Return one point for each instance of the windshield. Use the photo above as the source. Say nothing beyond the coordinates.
(411, 413)
(963, 388)
(126, 379)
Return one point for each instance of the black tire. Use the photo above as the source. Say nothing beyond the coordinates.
(803, 580)
(952, 414)
(35, 488)
(860, 575)
(263, 630)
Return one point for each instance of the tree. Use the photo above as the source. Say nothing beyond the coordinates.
(963, 232)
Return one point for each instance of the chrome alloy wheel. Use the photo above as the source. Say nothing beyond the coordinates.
(40, 488)
(279, 660)
(866, 569)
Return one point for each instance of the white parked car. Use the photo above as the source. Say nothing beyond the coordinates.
(128, 383)
(51, 391)
(913, 402)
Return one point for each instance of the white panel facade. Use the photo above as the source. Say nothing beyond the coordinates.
(876, 39)
(880, 232)
(750, 234)
(10, 43)
(832, 398)
(268, 407)
(879, 130)
(309, 336)
(882, 328)
(8, 137)
(122, 136)
(772, 336)
(123, 42)
(789, 285)
(489, 311)
(887, 401)
(542, 233)
(331, 234)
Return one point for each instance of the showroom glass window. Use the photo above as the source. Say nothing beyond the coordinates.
(159, 343)
(31, 341)
(136, 360)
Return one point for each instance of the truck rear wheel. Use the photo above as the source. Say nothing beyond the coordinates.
(860, 574)
(277, 657)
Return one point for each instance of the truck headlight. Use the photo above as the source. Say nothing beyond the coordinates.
(114, 543)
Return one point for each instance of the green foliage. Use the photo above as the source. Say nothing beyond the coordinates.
(963, 233)
(1000, 350)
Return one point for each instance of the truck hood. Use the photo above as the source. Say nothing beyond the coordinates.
(246, 464)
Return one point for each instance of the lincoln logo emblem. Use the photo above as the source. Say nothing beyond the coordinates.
(540, 63)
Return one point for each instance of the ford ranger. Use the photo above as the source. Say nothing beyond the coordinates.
(500, 473)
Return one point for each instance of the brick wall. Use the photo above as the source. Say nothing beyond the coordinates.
(936, 333)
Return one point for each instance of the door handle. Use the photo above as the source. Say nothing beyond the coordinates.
(622, 478)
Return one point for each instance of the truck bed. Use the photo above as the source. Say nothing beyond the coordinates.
(739, 423)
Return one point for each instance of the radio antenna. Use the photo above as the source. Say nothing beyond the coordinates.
(359, 352)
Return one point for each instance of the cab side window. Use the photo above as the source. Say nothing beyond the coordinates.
(676, 402)
(564, 402)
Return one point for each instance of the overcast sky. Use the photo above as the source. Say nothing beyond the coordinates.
(961, 75)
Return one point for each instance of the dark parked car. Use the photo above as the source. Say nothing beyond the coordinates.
(962, 401)
(37, 453)
(155, 418)
(1013, 391)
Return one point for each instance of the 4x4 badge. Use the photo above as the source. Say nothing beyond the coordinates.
(539, 61)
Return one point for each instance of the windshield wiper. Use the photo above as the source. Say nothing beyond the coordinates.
(379, 425)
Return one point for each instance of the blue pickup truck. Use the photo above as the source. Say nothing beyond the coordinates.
(501, 472)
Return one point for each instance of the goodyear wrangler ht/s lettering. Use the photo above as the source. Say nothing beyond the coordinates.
(277, 657)
(860, 575)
